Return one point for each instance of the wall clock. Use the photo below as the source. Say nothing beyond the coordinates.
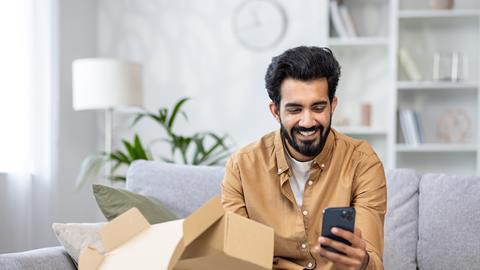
(259, 24)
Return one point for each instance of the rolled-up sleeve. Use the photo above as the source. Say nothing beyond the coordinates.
(370, 203)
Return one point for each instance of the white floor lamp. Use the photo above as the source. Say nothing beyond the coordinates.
(106, 84)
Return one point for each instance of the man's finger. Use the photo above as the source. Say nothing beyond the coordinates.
(350, 237)
(337, 258)
(347, 235)
(358, 232)
(348, 250)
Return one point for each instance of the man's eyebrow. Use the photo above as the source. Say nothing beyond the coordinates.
(292, 104)
(323, 102)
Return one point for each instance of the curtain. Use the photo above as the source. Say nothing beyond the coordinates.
(27, 99)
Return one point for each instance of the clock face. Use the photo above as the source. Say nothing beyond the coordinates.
(259, 24)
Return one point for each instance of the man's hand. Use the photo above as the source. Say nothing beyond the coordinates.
(356, 256)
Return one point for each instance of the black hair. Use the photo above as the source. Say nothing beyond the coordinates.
(305, 64)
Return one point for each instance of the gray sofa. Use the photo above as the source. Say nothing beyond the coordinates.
(433, 221)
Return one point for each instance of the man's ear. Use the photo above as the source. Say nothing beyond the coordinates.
(274, 110)
(334, 103)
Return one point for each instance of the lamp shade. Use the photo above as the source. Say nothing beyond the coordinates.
(100, 83)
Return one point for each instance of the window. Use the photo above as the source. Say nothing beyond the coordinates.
(15, 84)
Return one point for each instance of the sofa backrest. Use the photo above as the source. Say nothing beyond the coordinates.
(401, 220)
(449, 222)
(432, 221)
(181, 188)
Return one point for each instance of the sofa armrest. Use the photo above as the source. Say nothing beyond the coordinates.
(52, 258)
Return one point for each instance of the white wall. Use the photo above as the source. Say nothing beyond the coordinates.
(188, 48)
(77, 129)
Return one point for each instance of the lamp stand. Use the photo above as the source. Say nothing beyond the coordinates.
(108, 141)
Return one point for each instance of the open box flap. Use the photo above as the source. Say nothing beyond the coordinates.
(198, 222)
(248, 240)
(123, 228)
(90, 259)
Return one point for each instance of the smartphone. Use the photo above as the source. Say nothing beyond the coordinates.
(340, 217)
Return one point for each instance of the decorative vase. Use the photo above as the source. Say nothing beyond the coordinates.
(441, 4)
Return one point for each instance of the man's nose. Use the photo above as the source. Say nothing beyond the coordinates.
(307, 120)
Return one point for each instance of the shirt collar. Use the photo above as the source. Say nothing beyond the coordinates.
(321, 159)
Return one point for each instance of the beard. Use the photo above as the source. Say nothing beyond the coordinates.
(309, 148)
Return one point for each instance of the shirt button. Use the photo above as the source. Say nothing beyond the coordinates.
(304, 246)
(305, 212)
(322, 165)
(310, 265)
(310, 182)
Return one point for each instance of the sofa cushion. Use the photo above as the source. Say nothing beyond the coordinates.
(53, 258)
(76, 236)
(449, 230)
(180, 188)
(115, 201)
(401, 220)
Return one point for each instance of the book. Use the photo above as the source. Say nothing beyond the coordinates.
(419, 128)
(336, 19)
(411, 127)
(404, 127)
(347, 20)
(409, 66)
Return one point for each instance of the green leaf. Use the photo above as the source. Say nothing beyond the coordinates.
(218, 142)
(123, 157)
(164, 159)
(130, 149)
(184, 115)
(118, 178)
(219, 160)
(137, 118)
(116, 166)
(119, 158)
(199, 149)
(89, 169)
(141, 154)
(177, 107)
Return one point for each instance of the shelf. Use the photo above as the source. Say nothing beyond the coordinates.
(359, 41)
(358, 130)
(436, 148)
(434, 85)
(405, 14)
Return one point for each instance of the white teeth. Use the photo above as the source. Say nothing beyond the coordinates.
(307, 133)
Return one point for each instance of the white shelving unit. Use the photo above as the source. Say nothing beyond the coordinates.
(359, 41)
(433, 85)
(445, 148)
(367, 74)
(408, 14)
(372, 73)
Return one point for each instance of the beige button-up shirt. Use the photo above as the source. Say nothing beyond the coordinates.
(346, 173)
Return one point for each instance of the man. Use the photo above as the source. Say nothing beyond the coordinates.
(286, 179)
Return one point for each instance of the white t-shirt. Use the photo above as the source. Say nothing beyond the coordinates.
(300, 173)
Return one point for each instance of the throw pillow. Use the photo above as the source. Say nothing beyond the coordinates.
(76, 236)
(114, 202)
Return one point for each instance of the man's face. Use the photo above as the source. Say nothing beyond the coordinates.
(304, 115)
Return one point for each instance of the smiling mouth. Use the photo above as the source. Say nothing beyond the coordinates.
(308, 134)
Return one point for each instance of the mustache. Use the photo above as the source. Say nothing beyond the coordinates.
(304, 129)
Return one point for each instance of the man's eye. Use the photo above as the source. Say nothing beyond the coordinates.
(293, 110)
(319, 109)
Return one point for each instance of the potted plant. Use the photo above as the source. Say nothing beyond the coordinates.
(200, 148)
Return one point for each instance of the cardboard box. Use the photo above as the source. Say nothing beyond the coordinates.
(209, 239)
